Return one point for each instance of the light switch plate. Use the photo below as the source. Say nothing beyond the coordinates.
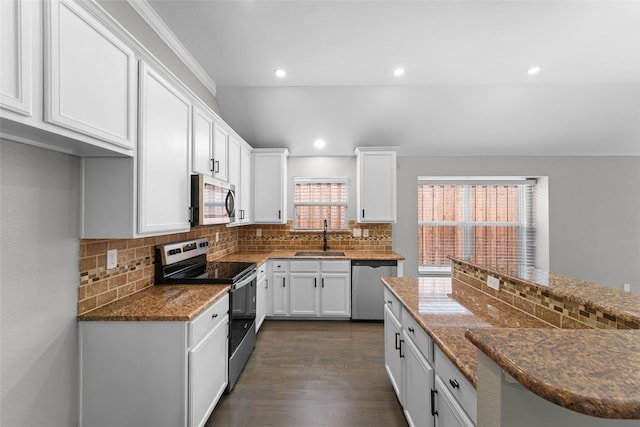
(112, 259)
(217, 236)
(493, 282)
(365, 232)
(258, 232)
(357, 232)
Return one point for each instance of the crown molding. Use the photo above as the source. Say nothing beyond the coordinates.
(158, 25)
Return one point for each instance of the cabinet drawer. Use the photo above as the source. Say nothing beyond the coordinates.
(279, 265)
(335, 266)
(303, 266)
(392, 302)
(451, 376)
(209, 319)
(419, 336)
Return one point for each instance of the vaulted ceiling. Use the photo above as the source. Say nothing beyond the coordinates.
(466, 88)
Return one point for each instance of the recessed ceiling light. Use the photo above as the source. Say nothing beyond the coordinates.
(533, 71)
(279, 72)
(398, 72)
(319, 143)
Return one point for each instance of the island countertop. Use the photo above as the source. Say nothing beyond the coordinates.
(594, 372)
(445, 309)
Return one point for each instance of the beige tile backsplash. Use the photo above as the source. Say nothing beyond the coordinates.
(135, 270)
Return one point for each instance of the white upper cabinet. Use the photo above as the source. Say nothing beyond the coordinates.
(210, 144)
(163, 160)
(202, 152)
(245, 186)
(239, 168)
(220, 151)
(376, 189)
(90, 76)
(270, 186)
(15, 45)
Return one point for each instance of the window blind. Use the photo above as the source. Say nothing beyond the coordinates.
(485, 220)
(317, 199)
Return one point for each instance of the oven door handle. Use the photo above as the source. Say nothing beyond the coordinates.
(245, 280)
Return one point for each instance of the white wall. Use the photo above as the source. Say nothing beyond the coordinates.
(39, 279)
(594, 210)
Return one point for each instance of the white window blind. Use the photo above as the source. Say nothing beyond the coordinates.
(485, 220)
(317, 199)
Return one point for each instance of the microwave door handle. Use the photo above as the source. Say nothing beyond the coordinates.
(230, 203)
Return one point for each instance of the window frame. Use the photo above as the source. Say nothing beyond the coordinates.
(526, 217)
(315, 180)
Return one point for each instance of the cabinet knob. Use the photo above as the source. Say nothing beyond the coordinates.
(214, 315)
(389, 301)
(411, 329)
(454, 383)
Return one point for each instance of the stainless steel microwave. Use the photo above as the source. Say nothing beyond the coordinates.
(211, 201)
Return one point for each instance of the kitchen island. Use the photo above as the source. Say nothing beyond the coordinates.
(550, 338)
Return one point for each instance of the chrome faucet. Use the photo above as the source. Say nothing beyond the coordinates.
(325, 243)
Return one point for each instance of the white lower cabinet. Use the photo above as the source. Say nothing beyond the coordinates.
(310, 288)
(430, 388)
(418, 383)
(392, 348)
(448, 412)
(261, 295)
(153, 373)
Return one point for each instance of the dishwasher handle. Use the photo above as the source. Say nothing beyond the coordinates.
(374, 263)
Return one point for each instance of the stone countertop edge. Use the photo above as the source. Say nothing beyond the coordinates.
(556, 365)
(160, 303)
(261, 257)
(622, 304)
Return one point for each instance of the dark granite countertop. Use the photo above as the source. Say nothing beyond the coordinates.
(594, 372)
(446, 309)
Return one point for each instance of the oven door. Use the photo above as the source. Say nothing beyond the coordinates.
(242, 325)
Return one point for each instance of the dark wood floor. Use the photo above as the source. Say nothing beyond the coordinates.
(313, 373)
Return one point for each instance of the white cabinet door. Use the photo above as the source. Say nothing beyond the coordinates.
(163, 169)
(244, 189)
(303, 294)
(280, 295)
(220, 149)
(418, 383)
(269, 186)
(376, 190)
(202, 155)
(208, 373)
(392, 349)
(261, 296)
(90, 79)
(16, 47)
(233, 169)
(336, 294)
(449, 413)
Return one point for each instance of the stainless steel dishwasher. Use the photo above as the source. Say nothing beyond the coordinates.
(367, 295)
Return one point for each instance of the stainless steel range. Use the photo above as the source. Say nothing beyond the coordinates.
(185, 262)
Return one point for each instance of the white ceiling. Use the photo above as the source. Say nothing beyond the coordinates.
(465, 92)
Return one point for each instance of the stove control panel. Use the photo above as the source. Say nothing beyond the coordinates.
(180, 251)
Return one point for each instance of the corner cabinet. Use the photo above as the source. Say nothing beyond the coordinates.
(163, 155)
(95, 94)
(376, 185)
(270, 186)
(153, 373)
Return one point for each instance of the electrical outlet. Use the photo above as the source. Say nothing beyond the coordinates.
(112, 259)
(365, 232)
(217, 236)
(258, 232)
(357, 232)
(493, 282)
(626, 287)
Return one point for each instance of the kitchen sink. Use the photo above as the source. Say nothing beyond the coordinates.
(318, 254)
